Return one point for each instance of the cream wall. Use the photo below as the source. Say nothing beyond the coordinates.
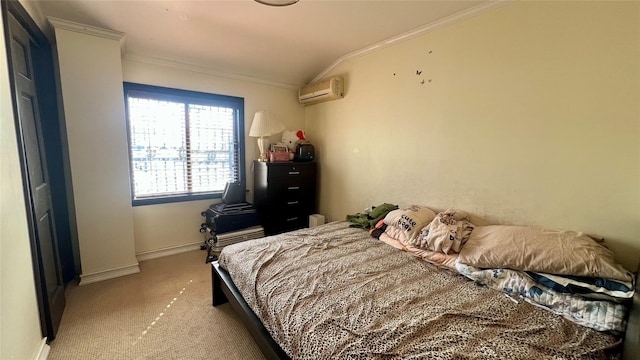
(91, 82)
(167, 226)
(20, 334)
(110, 230)
(529, 114)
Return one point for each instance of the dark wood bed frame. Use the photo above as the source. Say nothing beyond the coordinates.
(224, 290)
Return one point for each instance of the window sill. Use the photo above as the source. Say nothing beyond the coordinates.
(172, 199)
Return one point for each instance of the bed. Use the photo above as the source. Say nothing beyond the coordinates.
(335, 292)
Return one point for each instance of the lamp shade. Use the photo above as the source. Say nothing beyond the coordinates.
(265, 124)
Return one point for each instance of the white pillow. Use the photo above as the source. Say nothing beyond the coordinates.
(409, 221)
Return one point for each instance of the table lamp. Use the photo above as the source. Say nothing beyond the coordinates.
(264, 125)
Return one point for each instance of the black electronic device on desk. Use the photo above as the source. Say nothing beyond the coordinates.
(231, 221)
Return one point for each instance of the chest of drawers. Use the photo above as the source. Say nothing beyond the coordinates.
(284, 194)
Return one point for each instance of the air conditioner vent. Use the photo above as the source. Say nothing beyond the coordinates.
(329, 89)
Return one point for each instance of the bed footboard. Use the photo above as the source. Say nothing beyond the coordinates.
(223, 291)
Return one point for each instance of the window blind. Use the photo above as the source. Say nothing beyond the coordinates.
(181, 146)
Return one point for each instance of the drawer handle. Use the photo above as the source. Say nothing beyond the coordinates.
(294, 188)
(292, 219)
(294, 172)
(291, 202)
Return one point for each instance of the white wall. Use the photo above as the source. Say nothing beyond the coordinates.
(20, 334)
(91, 82)
(529, 114)
(166, 226)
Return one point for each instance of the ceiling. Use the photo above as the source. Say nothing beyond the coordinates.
(290, 45)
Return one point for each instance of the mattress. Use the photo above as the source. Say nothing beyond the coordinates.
(334, 292)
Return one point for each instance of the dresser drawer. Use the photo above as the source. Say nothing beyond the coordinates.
(289, 171)
(303, 204)
(287, 219)
(290, 194)
(291, 176)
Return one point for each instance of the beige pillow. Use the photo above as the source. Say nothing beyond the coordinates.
(540, 250)
(392, 217)
(396, 233)
(410, 220)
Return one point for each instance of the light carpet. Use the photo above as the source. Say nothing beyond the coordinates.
(164, 312)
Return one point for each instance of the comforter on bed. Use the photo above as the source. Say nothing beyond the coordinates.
(597, 314)
(332, 292)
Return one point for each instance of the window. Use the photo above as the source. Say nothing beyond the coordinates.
(183, 145)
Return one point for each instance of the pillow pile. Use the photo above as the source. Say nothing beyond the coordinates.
(404, 228)
(542, 253)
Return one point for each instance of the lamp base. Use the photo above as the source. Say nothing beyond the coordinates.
(263, 141)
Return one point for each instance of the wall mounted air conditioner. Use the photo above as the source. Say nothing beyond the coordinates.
(329, 89)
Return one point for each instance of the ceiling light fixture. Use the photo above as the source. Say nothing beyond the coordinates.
(277, 2)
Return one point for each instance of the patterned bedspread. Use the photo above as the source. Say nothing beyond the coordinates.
(333, 292)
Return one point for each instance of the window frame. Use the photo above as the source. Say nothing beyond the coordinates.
(190, 97)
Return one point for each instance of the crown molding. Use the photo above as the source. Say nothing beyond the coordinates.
(89, 30)
(476, 10)
(205, 70)
(86, 29)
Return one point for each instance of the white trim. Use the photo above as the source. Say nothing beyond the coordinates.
(476, 10)
(43, 350)
(86, 29)
(172, 250)
(89, 30)
(204, 70)
(109, 274)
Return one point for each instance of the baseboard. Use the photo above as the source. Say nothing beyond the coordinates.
(152, 254)
(43, 350)
(109, 274)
